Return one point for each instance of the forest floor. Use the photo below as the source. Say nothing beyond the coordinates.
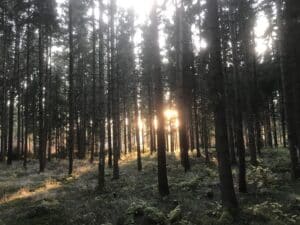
(54, 198)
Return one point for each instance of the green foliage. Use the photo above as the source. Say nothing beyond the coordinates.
(44, 212)
(226, 218)
(142, 214)
(191, 184)
(155, 215)
(274, 212)
(260, 176)
(175, 214)
(134, 198)
(44, 208)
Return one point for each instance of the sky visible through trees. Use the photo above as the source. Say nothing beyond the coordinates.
(150, 111)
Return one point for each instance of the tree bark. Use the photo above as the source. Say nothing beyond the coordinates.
(217, 90)
(101, 168)
(163, 186)
(288, 65)
(180, 92)
(71, 90)
(115, 95)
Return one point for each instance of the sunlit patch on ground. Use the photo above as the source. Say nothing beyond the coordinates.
(28, 197)
(25, 192)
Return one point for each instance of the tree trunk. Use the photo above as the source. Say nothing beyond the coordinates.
(137, 128)
(282, 117)
(13, 87)
(101, 168)
(71, 90)
(268, 130)
(274, 123)
(217, 90)
(182, 112)
(94, 104)
(26, 97)
(109, 103)
(163, 186)
(41, 112)
(129, 131)
(196, 119)
(4, 91)
(288, 65)
(115, 96)
(238, 123)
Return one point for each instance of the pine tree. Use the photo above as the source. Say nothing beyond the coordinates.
(101, 168)
(71, 89)
(217, 90)
(158, 98)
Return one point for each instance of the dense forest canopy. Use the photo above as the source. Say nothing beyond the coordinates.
(111, 81)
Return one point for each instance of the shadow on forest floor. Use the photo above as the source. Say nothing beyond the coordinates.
(53, 197)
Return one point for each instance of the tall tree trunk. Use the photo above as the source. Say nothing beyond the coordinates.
(182, 112)
(137, 127)
(109, 103)
(273, 111)
(40, 99)
(150, 115)
(250, 92)
(283, 119)
(94, 104)
(288, 65)
(125, 126)
(4, 90)
(231, 141)
(268, 130)
(19, 115)
(41, 116)
(205, 137)
(129, 130)
(26, 97)
(48, 93)
(217, 90)
(13, 87)
(196, 120)
(71, 90)
(238, 123)
(101, 168)
(163, 186)
(10, 128)
(115, 96)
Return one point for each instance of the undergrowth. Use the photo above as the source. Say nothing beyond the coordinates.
(53, 197)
